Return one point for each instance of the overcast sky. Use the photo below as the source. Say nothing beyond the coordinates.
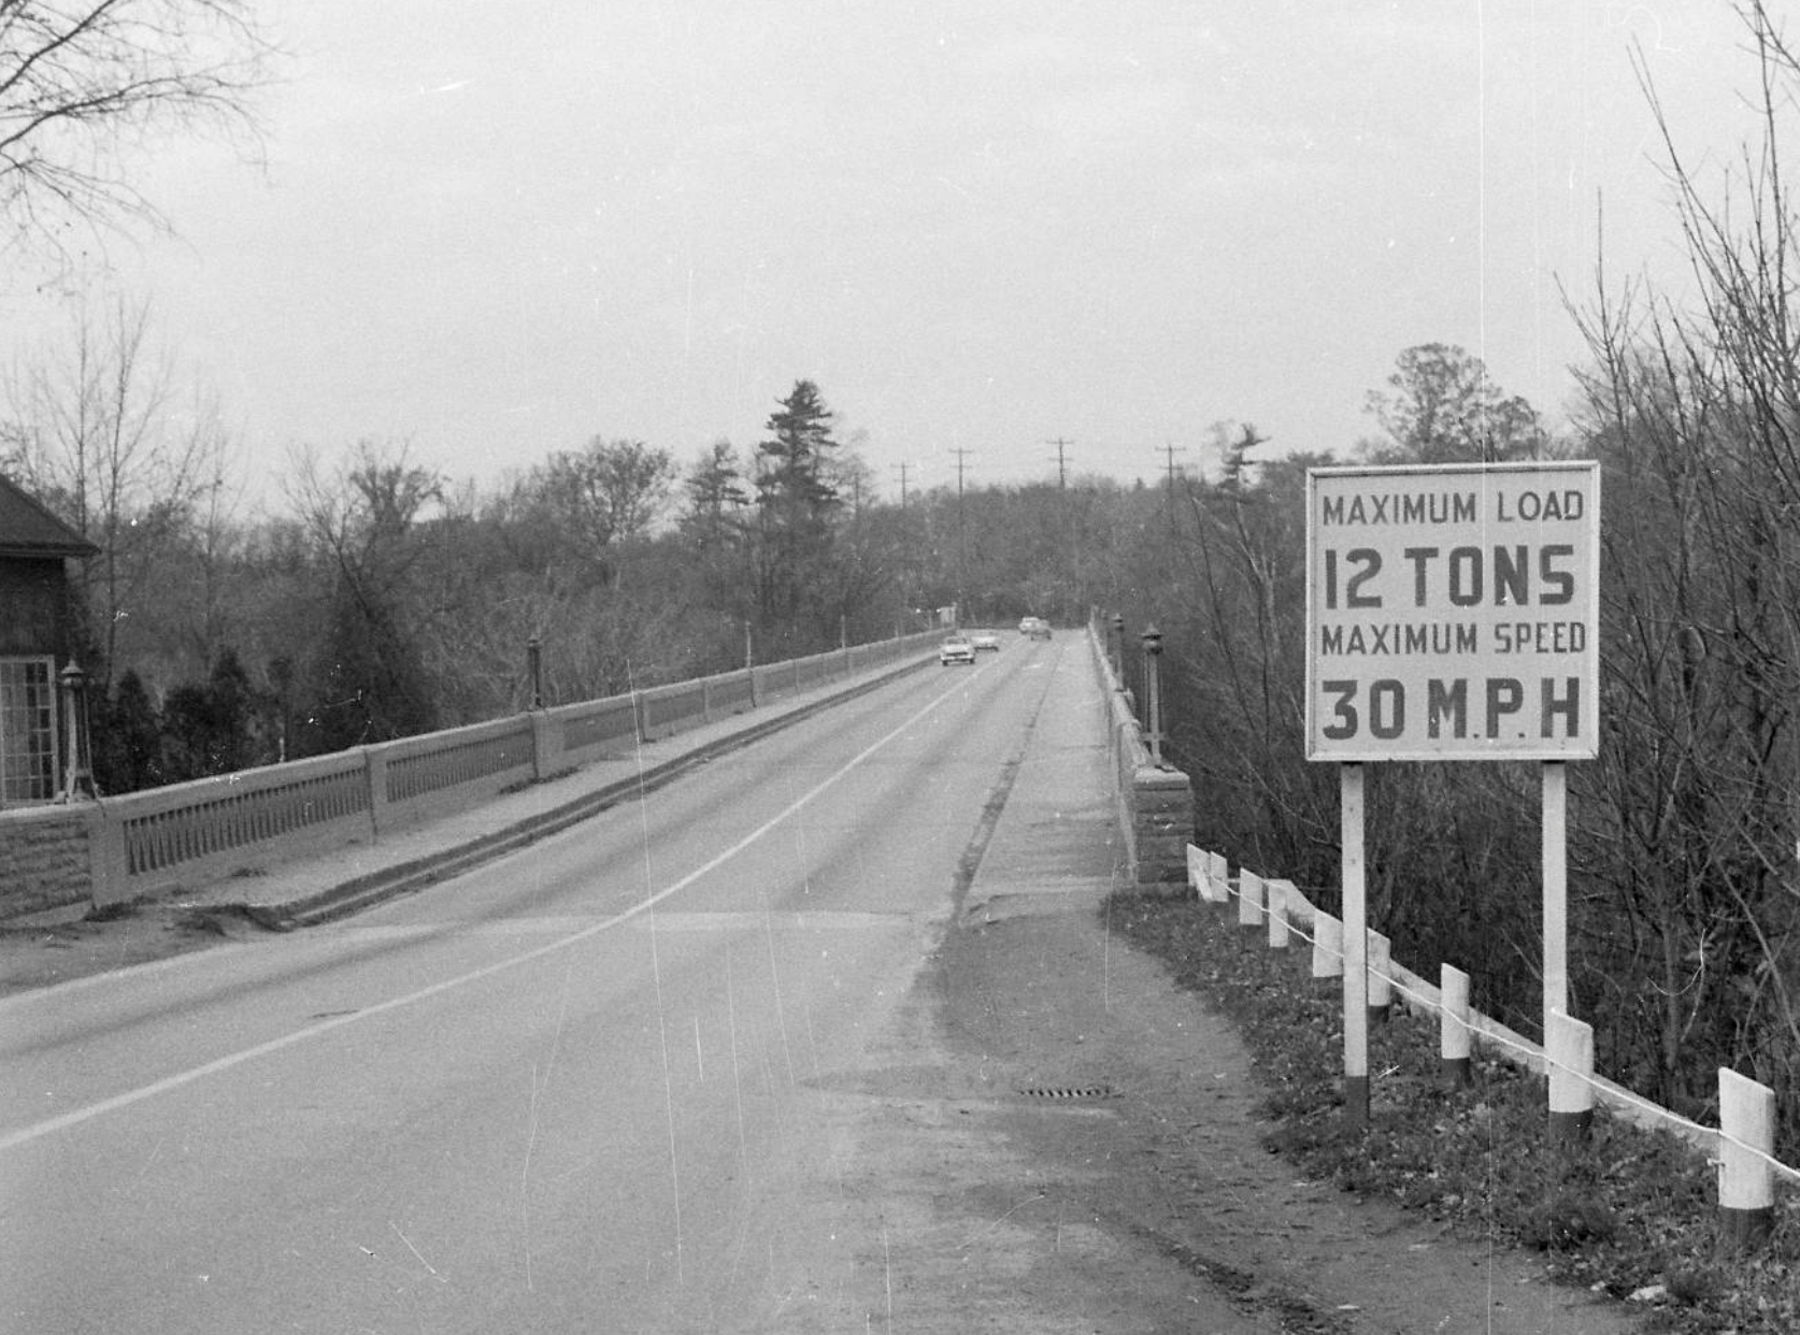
(495, 231)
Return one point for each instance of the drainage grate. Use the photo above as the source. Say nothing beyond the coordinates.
(1069, 1092)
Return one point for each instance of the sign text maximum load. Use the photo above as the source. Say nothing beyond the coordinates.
(1453, 612)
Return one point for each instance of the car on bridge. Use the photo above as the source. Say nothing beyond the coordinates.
(985, 641)
(1035, 628)
(956, 649)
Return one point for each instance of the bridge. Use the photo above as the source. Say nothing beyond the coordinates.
(321, 837)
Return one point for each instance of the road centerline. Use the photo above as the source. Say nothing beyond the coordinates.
(76, 1117)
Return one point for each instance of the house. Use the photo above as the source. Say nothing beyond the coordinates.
(37, 638)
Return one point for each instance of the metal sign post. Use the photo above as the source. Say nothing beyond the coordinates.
(1356, 948)
(1452, 613)
(1556, 891)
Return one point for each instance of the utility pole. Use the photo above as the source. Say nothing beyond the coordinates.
(960, 454)
(908, 578)
(1062, 465)
(1170, 451)
(962, 532)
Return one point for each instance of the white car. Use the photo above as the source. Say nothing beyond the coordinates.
(985, 640)
(956, 649)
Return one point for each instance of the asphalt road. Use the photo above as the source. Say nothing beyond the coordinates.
(590, 1086)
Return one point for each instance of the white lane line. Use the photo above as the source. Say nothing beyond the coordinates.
(794, 920)
(38, 1130)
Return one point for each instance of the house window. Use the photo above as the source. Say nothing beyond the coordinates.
(27, 730)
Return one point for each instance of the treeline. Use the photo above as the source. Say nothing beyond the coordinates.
(381, 599)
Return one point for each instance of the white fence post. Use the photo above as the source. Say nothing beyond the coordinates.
(1278, 892)
(1328, 946)
(1250, 897)
(1569, 1053)
(1453, 1025)
(1746, 1160)
(1381, 985)
(1207, 872)
(1197, 873)
(1747, 1110)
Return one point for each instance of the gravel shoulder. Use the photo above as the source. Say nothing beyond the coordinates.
(1171, 1167)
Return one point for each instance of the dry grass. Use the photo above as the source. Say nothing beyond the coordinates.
(1628, 1211)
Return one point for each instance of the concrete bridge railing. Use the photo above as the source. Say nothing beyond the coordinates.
(149, 843)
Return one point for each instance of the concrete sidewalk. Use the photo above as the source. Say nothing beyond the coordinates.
(1056, 844)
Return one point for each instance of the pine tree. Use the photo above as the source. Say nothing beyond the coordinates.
(127, 739)
(795, 505)
(791, 467)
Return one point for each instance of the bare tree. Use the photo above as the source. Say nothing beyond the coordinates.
(364, 516)
(600, 497)
(84, 83)
(374, 525)
(1691, 834)
(1441, 406)
(96, 429)
(215, 541)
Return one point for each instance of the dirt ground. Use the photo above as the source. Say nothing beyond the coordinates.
(47, 953)
(1075, 1144)
(1053, 1001)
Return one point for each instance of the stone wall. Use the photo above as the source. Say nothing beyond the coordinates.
(43, 860)
(1162, 809)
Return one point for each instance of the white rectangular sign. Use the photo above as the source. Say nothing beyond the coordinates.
(1453, 612)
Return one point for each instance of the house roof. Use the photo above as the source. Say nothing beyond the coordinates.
(28, 529)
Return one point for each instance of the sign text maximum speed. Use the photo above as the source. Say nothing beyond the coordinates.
(1453, 612)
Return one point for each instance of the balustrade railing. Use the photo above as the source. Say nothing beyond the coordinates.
(154, 841)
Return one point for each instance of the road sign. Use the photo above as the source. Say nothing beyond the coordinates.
(1452, 612)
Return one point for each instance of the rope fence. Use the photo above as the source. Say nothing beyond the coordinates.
(1741, 1148)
